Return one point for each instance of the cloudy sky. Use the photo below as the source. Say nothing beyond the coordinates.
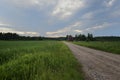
(56, 18)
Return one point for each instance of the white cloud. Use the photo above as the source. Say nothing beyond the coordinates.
(109, 3)
(79, 31)
(56, 12)
(4, 24)
(60, 8)
(104, 25)
(64, 30)
(57, 35)
(97, 27)
(65, 8)
(74, 28)
(3, 29)
(6, 30)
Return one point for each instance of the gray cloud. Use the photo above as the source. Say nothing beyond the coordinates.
(66, 8)
(109, 3)
(58, 17)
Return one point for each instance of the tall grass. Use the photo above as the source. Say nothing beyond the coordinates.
(34, 60)
(113, 46)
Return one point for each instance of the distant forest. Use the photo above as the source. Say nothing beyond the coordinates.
(15, 36)
(78, 37)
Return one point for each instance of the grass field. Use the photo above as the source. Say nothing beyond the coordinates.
(113, 47)
(37, 60)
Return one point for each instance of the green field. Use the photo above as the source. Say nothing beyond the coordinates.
(113, 47)
(37, 60)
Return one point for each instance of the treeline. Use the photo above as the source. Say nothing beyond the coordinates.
(80, 37)
(14, 36)
(107, 38)
(90, 37)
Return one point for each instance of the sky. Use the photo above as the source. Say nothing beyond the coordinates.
(56, 18)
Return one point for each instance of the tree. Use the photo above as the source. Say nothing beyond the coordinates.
(90, 37)
(80, 37)
(76, 38)
(69, 37)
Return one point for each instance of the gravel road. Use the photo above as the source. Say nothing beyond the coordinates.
(97, 65)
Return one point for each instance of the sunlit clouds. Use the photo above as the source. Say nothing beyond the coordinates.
(23, 33)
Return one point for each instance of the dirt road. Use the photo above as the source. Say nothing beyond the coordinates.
(97, 65)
